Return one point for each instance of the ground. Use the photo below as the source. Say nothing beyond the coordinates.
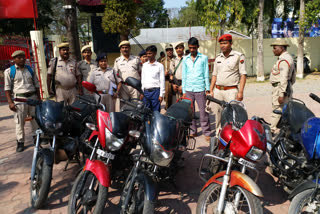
(181, 198)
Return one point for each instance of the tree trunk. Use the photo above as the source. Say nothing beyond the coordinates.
(300, 41)
(124, 36)
(72, 29)
(260, 62)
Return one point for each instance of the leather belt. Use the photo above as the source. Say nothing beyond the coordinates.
(151, 89)
(221, 87)
(28, 94)
(275, 84)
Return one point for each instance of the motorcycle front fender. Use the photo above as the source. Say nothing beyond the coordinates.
(94, 133)
(150, 187)
(48, 156)
(100, 170)
(301, 187)
(236, 179)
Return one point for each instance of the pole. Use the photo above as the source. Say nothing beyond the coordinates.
(34, 14)
(37, 63)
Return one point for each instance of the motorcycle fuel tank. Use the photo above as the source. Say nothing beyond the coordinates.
(310, 135)
(226, 134)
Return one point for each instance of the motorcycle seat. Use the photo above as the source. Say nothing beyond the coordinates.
(181, 111)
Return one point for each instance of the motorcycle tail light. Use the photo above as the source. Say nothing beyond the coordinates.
(254, 154)
(112, 142)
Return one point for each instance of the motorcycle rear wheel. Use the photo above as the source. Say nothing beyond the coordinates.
(138, 203)
(301, 203)
(40, 186)
(84, 200)
(208, 201)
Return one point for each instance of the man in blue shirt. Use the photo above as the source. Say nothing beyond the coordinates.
(195, 84)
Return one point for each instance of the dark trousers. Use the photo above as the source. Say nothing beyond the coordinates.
(151, 99)
(200, 97)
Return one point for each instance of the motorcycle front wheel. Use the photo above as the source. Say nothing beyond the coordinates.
(87, 195)
(303, 203)
(208, 201)
(138, 203)
(40, 185)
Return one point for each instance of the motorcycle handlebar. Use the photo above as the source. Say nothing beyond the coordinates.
(30, 102)
(20, 100)
(314, 97)
(220, 102)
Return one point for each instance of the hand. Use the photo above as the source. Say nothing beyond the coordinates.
(240, 96)
(115, 95)
(281, 100)
(180, 89)
(184, 95)
(207, 93)
(141, 96)
(166, 73)
(211, 94)
(12, 107)
(160, 99)
(175, 87)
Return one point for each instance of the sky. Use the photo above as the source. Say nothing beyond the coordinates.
(174, 3)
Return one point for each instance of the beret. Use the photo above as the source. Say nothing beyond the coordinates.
(63, 45)
(124, 42)
(101, 56)
(280, 42)
(142, 53)
(85, 47)
(17, 53)
(225, 37)
(179, 44)
(168, 46)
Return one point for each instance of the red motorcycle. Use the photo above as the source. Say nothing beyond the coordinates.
(232, 191)
(111, 144)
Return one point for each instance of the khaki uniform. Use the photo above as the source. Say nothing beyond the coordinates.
(166, 62)
(127, 68)
(228, 71)
(65, 79)
(102, 79)
(23, 83)
(85, 68)
(178, 75)
(282, 77)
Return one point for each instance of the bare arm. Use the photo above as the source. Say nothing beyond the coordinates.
(10, 101)
(213, 84)
(243, 79)
(49, 79)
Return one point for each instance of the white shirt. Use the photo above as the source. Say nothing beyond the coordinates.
(152, 76)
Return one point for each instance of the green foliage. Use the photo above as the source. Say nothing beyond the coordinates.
(312, 13)
(152, 14)
(119, 16)
(188, 16)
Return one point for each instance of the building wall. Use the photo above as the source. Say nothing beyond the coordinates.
(249, 48)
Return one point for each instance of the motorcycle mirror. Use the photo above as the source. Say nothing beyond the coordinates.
(91, 126)
(134, 83)
(134, 133)
(89, 86)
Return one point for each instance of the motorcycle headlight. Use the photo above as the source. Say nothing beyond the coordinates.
(254, 153)
(52, 126)
(159, 155)
(112, 142)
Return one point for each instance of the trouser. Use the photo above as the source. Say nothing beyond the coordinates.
(22, 112)
(107, 101)
(225, 95)
(168, 94)
(151, 99)
(68, 96)
(276, 106)
(176, 97)
(127, 92)
(200, 97)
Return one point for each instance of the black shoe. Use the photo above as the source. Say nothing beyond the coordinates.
(20, 146)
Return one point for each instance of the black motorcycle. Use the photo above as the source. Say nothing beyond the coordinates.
(162, 140)
(61, 128)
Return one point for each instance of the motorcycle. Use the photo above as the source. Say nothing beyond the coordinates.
(110, 143)
(288, 159)
(162, 140)
(57, 140)
(232, 191)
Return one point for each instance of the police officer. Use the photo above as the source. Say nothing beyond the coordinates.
(66, 74)
(176, 72)
(127, 66)
(86, 65)
(21, 82)
(104, 79)
(282, 77)
(166, 61)
(228, 77)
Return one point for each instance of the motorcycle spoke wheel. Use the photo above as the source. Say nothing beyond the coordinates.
(87, 195)
(304, 204)
(208, 201)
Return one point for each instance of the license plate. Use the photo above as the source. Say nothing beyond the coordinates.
(105, 154)
(247, 163)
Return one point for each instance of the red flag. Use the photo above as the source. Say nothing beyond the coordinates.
(21, 9)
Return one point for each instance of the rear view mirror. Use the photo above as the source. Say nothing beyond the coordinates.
(134, 83)
(89, 86)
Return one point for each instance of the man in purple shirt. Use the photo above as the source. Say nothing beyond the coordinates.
(195, 84)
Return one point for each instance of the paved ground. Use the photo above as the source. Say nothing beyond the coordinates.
(15, 167)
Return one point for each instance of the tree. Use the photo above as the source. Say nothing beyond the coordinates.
(188, 16)
(119, 17)
(260, 62)
(152, 14)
